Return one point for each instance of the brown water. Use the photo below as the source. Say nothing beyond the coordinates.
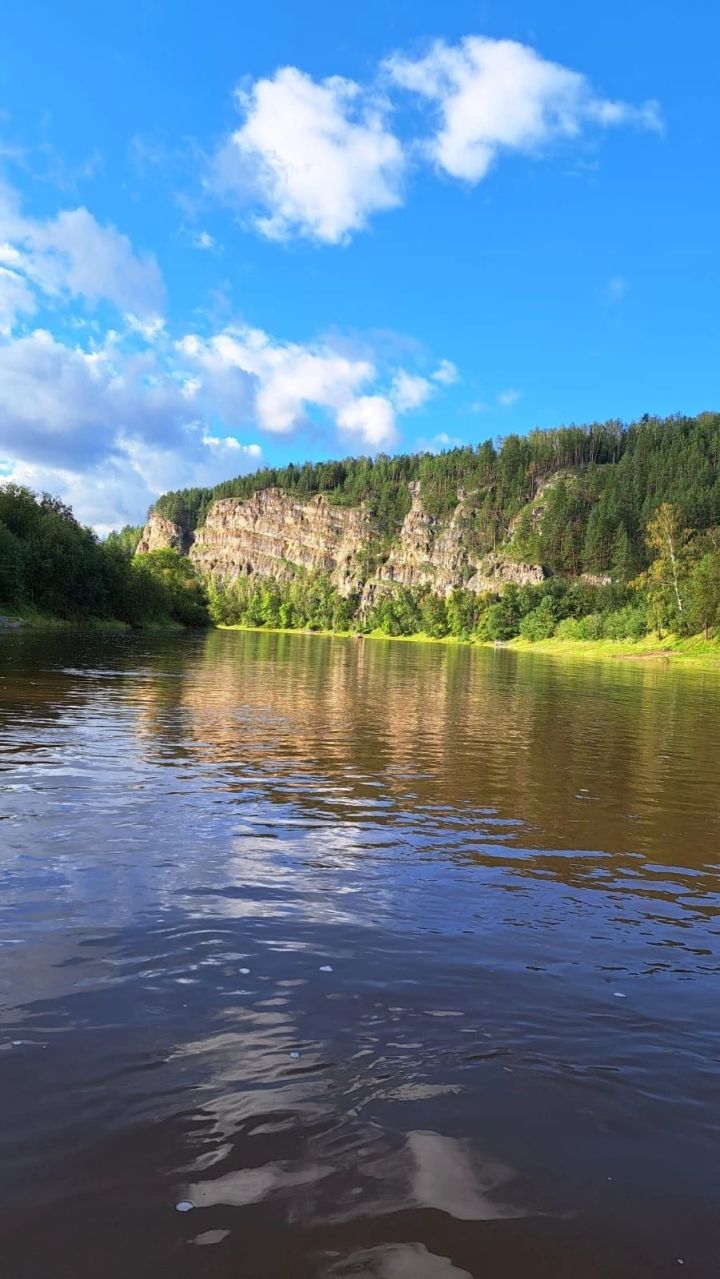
(393, 960)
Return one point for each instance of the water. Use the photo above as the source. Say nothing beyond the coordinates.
(388, 959)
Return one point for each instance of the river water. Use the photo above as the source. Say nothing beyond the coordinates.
(397, 960)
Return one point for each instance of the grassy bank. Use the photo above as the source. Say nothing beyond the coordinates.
(670, 648)
(14, 621)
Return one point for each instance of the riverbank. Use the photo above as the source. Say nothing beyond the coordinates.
(670, 648)
(694, 650)
(29, 619)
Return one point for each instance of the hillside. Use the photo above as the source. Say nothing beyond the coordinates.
(584, 532)
(610, 479)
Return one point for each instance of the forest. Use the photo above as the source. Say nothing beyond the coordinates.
(677, 594)
(608, 480)
(52, 567)
(625, 521)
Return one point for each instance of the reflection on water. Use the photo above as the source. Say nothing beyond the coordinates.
(396, 960)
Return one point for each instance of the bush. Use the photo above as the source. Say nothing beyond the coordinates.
(580, 628)
(568, 629)
(497, 623)
(626, 623)
(590, 627)
(539, 624)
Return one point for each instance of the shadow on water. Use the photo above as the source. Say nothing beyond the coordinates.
(395, 960)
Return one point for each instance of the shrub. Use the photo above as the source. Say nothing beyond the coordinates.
(568, 629)
(539, 624)
(629, 622)
(497, 623)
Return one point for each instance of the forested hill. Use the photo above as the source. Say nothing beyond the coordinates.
(611, 477)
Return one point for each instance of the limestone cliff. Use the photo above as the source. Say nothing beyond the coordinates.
(273, 535)
(160, 534)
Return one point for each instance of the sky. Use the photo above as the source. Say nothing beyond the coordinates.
(234, 234)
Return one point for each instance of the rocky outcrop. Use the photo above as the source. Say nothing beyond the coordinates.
(161, 534)
(428, 552)
(495, 572)
(272, 534)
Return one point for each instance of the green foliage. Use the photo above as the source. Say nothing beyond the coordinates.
(704, 592)
(169, 585)
(629, 623)
(540, 623)
(578, 498)
(665, 580)
(303, 601)
(581, 628)
(501, 621)
(50, 563)
(126, 538)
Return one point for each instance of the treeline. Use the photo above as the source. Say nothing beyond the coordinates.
(309, 602)
(52, 565)
(607, 481)
(678, 593)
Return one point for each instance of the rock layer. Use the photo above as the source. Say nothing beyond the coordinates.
(273, 535)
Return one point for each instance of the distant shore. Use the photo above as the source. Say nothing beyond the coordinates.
(668, 649)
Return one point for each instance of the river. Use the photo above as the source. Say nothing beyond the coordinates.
(325, 957)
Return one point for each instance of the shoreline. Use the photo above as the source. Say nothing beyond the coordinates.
(670, 650)
(29, 622)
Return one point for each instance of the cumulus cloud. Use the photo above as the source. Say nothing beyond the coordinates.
(316, 156)
(107, 429)
(72, 256)
(110, 417)
(282, 384)
(409, 391)
(277, 380)
(141, 409)
(492, 96)
(371, 419)
(119, 490)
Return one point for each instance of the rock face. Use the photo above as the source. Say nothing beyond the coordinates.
(427, 553)
(433, 553)
(273, 535)
(160, 534)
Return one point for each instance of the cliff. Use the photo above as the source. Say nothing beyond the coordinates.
(274, 535)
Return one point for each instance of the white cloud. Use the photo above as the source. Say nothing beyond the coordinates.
(409, 391)
(108, 429)
(316, 156)
(275, 381)
(371, 419)
(498, 95)
(111, 424)
(446, 373)
(64, 405)
(119, 490)
(508, 398)
(16, 296)
(71, 256)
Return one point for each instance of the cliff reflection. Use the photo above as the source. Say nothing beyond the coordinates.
(538, 753)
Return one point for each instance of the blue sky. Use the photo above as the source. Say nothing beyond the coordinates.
(235, 234)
